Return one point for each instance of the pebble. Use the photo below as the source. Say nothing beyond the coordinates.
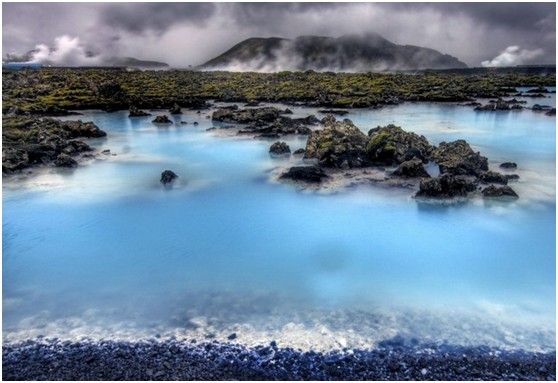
(172, 359)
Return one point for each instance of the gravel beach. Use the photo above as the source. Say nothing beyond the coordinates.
(180, 360)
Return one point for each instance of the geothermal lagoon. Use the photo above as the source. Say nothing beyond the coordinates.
(229, 253)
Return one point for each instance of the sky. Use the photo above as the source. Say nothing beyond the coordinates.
(183, 34)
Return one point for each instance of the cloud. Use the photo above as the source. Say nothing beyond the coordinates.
(192, 33)
(67, 51)
(514, 55)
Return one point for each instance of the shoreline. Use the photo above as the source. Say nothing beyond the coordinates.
(394, 359)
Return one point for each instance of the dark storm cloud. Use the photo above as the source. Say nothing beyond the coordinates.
(139, 17)
(191, 33)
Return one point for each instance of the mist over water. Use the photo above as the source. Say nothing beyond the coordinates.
(105, 251)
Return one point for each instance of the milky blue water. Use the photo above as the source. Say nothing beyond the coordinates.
(104, 250)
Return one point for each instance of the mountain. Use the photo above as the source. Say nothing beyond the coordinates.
(90, 59)
(133, 62)
(351, 53)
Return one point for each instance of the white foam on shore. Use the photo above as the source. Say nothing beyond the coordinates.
(306, 328)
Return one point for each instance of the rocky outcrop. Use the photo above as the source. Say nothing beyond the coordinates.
(246, 116)
(279, 149)
(338, 145)
(458, 158)
(446, 186)
(411, 169)
(551, 112)
(392, 145)
(499, 191)
(162, 120)
(30, 141)
(168, 176)
(265, 122)
(310, 174)
(135, 112)
(501, 105)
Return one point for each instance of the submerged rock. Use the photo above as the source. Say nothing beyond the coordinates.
(338, 112)
(338, 145)
(551, 112)
(175, 109)
(458, 158)
(279, 148)
(499, 191)
(299, 151)
(311, 174)
(392, 145)
(168, 176)
(446, 186)
(412, 168)
(493, 177)
(162, 120)
(508, 165)
(135, 112)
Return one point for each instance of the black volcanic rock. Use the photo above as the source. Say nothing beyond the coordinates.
(458, 158)
(499, 191)
(368, 52)
(311, 174)
(279, 148)
(168, 176)
(446, 186)
(162, 120)
(412, 168)
(135, 112)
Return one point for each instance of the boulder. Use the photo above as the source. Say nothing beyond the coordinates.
(175, 109)
(299, 151)
(279, 148)
(247, 116)
(551, 112)
(392, 145)
(65, 161)
(493, 177)
(446, 186)
(135, 112)
(168, 176)
(162, 120)
(508, 165)
(458, 158)
(311, 174)
(411, 169)
(499, 191)
(337, 145)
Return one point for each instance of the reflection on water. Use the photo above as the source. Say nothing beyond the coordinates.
(104, 250)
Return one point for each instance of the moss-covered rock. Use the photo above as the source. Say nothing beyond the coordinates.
(458, 158)
(338, 145)
(392, 145)
(29, 141)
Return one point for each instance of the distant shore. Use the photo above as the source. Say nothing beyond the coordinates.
(180, 360)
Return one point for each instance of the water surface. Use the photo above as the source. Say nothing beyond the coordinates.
(105, 251)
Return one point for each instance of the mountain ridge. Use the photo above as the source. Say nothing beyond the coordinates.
(353, 53)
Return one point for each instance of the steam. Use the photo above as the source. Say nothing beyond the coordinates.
(513, 55)
(66, 51)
